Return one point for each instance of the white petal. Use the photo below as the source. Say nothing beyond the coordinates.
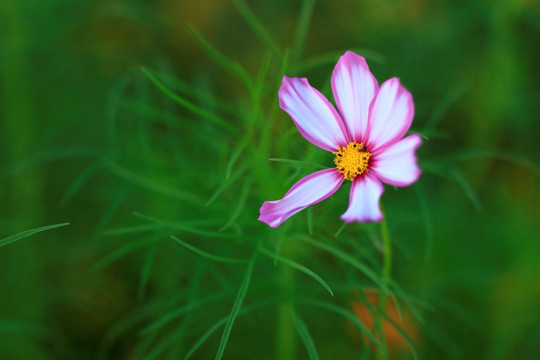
(390, 115)
(315, 118)
(308, 191)
(397, 164)
(354, 86)
(366, 191)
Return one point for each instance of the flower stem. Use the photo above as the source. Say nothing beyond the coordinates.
(386, 272)
(387, 252)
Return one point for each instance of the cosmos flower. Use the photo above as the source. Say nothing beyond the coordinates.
(365, 135)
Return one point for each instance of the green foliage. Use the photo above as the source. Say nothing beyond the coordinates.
(157, 133)
(16, 237)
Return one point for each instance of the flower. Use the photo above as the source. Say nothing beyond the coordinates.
(366, 137)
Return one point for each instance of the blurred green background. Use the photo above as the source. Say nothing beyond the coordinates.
(89, 138)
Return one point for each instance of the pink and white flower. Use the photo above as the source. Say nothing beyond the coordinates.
(365, 134)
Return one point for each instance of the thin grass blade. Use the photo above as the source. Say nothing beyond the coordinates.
(442, 107)
(228, 65)
(426, 214)
(305, 336)
(301, 30)
(151, 184)
(240, 206)
(225, 184)
(346, 314)
(309, 220)
(187, 227)
(175, 314)
(348, 259)
(232, 160)
(79, 182)
(257, 27)
(465, 186)
(406, 336)
(16, 237)
(503, 154)
(132, 230)
(298, 267)
(242, 291)
(341, 228)
(217, 120)
(47, 156)
(297, 163)
(123, 251)
(223, 321)
(145, 272)
(207, 255)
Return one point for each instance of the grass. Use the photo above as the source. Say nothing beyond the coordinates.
(161, 163)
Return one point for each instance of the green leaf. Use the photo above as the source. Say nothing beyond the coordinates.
(346, 258)
(405, 336)
(426, 214)
(123, 251)
(496, 153)
(240, 206)
(464, 184)
(224, 320)
(298, 267)
(242, 291)
(133, 229)
(341, 228)
(298, 162)
(47, 156)
(230, 66)
(232, 160)
(208, 255)
(409, 302)
(205, 336)
(309, 220)
(303, 332)
(225, 184)
(186, 226)
(152, 184)
(345, 313)
(257, 26)
(261, 76)
(16, 237)
(80, 181)
(301, 30)
(190, 106)
(175, 314)
(145, 272)
(442, 107)
(114, 204)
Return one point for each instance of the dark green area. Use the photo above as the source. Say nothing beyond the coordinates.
(137, 120)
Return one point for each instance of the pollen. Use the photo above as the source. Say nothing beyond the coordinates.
(352, 160)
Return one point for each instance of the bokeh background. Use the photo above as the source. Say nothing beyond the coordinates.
(130, 156)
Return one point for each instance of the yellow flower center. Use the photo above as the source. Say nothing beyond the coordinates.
(351, 160)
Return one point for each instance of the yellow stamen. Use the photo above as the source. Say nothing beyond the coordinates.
(351, 160)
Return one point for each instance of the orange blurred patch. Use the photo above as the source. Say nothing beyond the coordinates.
(395, 342)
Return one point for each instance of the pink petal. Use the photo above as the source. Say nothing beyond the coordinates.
(313, 115)
(390, 115)
(354, 87)
(396, 164)
(366, 191)
(308, 191)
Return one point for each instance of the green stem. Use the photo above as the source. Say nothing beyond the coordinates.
(386, 272)
(285, 329)
(387, 252)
